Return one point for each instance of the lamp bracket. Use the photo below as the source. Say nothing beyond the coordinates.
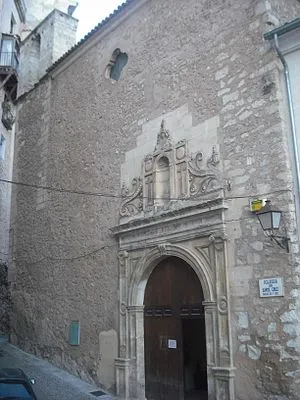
(281, 241)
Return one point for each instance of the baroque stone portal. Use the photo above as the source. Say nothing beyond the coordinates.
(175, 208)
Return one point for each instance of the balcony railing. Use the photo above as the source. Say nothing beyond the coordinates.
(9, 60)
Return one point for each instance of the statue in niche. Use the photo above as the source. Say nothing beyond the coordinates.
(162, 181)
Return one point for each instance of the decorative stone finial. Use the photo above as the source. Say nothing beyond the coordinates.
(163, 137)
(214, 158)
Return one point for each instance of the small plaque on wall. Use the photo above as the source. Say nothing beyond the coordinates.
(172, 344)
(271, 287)
(74, 333)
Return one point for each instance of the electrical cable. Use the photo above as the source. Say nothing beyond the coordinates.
(119, 196)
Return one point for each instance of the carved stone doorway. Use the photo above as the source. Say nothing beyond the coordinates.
(207, 258)
(174, 332)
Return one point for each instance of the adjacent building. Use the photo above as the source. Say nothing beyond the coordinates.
(44, 45)
(12, 16)
(37, 10)
(142, 158)
(55, 34)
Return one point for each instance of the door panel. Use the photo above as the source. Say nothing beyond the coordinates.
(163, 372)
(194, 350)
(171, 290)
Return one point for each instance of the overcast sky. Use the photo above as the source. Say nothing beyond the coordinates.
(91, 12)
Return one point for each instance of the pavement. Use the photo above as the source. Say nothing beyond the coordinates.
(51, 383)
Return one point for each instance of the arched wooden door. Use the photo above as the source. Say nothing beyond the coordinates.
(174, 330)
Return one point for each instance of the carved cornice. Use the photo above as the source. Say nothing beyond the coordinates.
(204, 208)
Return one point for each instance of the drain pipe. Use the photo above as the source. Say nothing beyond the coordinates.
(291, 110)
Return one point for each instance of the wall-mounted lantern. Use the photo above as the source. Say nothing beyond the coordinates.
(270, 218)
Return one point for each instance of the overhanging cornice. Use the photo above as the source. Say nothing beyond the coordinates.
(216, 205)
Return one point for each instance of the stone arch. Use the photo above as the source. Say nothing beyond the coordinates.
(163, 156)
(150, 260)
(162, 162)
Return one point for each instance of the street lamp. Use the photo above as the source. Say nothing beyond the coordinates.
(270, 218)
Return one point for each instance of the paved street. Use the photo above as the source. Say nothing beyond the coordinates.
(51, 383)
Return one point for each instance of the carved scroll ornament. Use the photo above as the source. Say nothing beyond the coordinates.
(204, 180)
(133, 199)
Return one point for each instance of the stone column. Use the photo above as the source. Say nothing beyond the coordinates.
(122, 377)
(122, 363)
(137, 366)
(210, 310)
(223, 371)
(123, 313)
(224, 383)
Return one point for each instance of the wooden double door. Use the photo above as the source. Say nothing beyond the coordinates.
(174, 329)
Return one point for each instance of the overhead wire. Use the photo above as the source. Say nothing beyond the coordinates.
(122, 197)
(49, 258)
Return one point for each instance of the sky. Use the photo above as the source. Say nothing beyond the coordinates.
(91, 12)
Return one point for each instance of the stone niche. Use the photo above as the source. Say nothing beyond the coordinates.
(174, 208)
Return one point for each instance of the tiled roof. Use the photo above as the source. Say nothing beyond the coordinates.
(97, 28)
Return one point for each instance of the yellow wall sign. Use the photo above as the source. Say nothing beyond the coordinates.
(257, 204)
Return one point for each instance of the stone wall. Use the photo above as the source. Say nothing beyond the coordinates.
(205, 65)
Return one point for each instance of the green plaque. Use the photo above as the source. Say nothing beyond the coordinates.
(74, 333)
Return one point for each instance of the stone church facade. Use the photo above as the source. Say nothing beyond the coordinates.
(139, 153)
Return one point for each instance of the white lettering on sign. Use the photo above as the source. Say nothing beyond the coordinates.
(172, 344)
(271, 287)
